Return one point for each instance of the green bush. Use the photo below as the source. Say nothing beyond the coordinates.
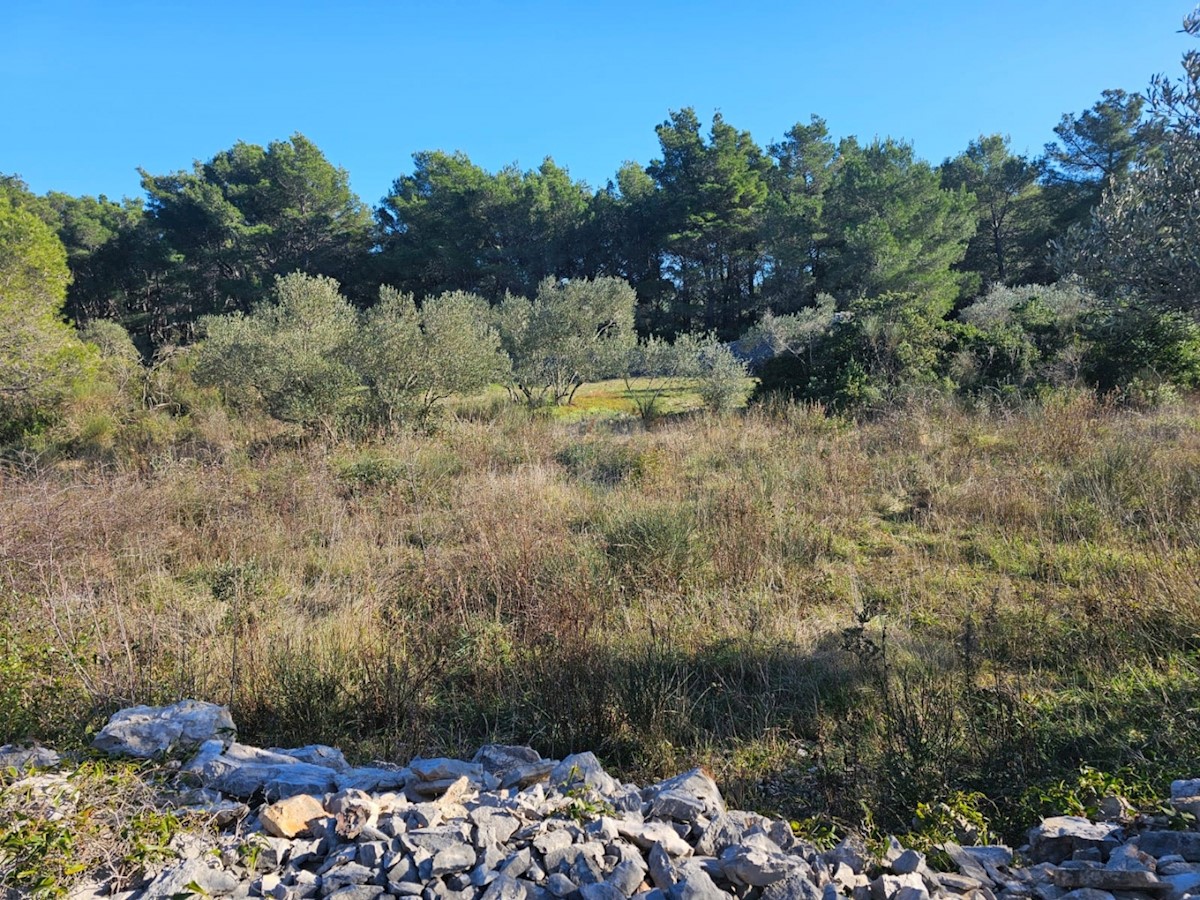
(42, 360)
(879, 348)
(290, 354)
(1132, 347)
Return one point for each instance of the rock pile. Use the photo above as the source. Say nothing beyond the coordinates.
(303, 824)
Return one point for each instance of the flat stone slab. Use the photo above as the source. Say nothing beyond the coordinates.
(1059, 837)
(1108, 880)
(145, 732)
(1170, 843)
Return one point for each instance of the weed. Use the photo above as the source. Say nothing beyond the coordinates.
(935, 601)
(102, 819)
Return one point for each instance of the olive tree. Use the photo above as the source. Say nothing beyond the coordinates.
(291, 353)
(654, 366)
(568, 334)
(410, 358)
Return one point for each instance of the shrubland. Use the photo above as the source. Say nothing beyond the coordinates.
(945, 553)
(944, 597)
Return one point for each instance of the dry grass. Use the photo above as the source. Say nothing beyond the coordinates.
(822, 610)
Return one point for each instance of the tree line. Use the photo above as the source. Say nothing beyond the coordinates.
(857, 267)
(711, 234)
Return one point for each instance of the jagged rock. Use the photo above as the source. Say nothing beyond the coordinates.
(404, 870)
(647, 834)
(796, 886)
(436, 839)
(756, 867)
(663, 873)
(602, 829)
(493, 827)
(20, 758)
(626, 800)
(242, 771)
(175, 879)
(958, 884)
(583, 768)
(267, 884)
(373, 853)
(356, 892)
(723, 831)
(1185, 787)
(292, 817)
(518, 864)
(696, 886)
(345, 874)
(1057, 838)
(447, 770)
(1130, 858)
(583, 861)
(148, 731)
(305, 879)
(1174, 865)
(695, 785)
(994, 855)
(560, 885)
(505, 888)
(889, 887)
(343, 855)
(1182, 883)
(967, 864)
(549, 841)
(600, 891)
(676, 805)
(316, 755)
(371, 779)
(628, 876)
(851, 852)
(452, 860)
(513, 766)
(1086, 894)
(908, 862)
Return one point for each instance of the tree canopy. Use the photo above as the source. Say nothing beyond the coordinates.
(40, 354)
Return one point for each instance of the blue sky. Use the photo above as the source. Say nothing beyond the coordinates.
(89, 91)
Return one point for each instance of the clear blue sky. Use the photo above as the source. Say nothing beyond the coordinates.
(89, 91)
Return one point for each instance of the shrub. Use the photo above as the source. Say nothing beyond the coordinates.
(875, 350)
(570, 333)
(722, 377)
(1131, 345)
(41, 358)
(411, 359)
(290, 354)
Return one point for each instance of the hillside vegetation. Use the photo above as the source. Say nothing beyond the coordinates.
(939, 599)
(868, 483)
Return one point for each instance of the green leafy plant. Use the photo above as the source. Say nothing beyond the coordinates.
(102, 818)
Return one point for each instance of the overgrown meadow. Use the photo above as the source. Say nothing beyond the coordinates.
(833, 615)
(482, 464)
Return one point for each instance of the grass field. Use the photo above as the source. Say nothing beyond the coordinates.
(933, 601)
